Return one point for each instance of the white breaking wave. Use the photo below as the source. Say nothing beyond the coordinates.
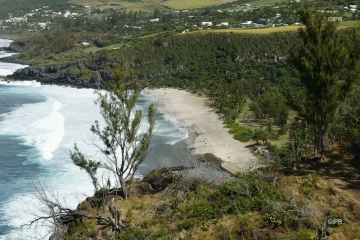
(5, 42)
(53, 127)
(6, 54)
(21, 83)
(38, 125)
(9, 68)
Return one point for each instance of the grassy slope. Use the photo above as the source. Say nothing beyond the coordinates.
(170, 214)
(265, 2)
(255, 31)
(13, 5)
(152, 4)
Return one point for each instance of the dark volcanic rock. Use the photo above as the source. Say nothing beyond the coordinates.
(58, 75)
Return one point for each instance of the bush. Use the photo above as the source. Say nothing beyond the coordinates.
(203, 211)
(307, 190)
(187, 224)
(241, 133)
(275, 219)
(308, 187)
(247, 192)
(301, 235)
(133, 234)
(159, 179)
(241, 137)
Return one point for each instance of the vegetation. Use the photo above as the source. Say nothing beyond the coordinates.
(328, 72)
(123, 150)
(260, 204)
(290, 93)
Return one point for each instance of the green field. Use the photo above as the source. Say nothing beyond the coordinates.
(188, 4)
(265, 2)
(151, 5)
(350, 23)
(253, 31)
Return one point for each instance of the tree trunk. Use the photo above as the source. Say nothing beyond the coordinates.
(322, 141)
(123, 187)
(315, 143)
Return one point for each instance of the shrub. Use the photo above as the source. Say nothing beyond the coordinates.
(187, 224)
(203, 211)
(301, 235)
(159, 179)
(247, 192)
(241, 133)
(275, 219)
(132, 234)
(308, 187)
(241, 137)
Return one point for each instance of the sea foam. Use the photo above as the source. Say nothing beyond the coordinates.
(38, 125)
(53, 127)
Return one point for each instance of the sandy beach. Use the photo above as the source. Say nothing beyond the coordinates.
(206, 130)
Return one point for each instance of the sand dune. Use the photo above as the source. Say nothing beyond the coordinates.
(206, 130)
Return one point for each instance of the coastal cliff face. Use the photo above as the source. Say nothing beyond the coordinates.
(59, 75)
(173, 61)
(92, 75)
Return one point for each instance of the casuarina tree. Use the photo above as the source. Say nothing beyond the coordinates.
(327, 72)
(122, 146)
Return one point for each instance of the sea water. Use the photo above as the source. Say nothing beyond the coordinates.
(39, 125)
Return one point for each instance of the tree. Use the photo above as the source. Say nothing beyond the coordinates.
(324, 64)
(260, 134)
(90, 166)
(123, 148)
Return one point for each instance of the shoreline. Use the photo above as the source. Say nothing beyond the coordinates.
(207, 133)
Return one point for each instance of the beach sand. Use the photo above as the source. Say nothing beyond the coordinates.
(206, 129)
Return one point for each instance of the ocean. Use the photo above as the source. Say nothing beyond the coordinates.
(39, 125)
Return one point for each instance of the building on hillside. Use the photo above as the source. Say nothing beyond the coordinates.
(155, 20)
(67, 13)
(42, 25)
(223, 24)
(247, 24)
(208, 24)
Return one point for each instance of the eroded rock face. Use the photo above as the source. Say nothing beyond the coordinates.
(59, 75)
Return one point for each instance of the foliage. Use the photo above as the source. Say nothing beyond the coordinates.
(90, 166)
(133, 233)
(260, 134)
(241, 133)
(122, 148)
(308, 187)
(247, 192)
(271, 104)
(327, 70)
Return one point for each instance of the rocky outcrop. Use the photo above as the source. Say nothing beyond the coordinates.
(62, 74)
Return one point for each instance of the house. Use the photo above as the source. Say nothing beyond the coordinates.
(67, 13)
(353, 6)
(247, 23)
(225, 24)
(42, 25)
(209, 24)
(155, 20)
